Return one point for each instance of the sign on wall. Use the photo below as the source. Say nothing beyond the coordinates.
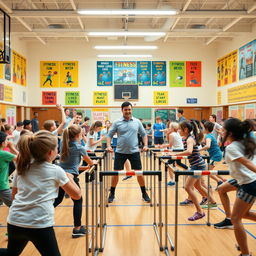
(177, 73)
(159, 73)
(161, 98)
(193, 74)
(104, 73)
(68, 73)
(1, 92)
(49, 74)
(49, 98)
(250, 111)
(8, 93)
(100, 114)
(11, 115)
(100, 98)
(72, 98)
(125, 72)
(219, 97)
(144, 72)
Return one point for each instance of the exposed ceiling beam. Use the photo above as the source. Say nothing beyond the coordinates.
(231, 24)
(9, 10)
(35, 7)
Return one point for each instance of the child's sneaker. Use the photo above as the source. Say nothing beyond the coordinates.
(204, 201)
(196, 216)
(226, 223)
(111, 198)
(80, 232)
(145, 197)
(186, 202)
(211, 206)
(171, 183)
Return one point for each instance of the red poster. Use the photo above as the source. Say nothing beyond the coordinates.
(49, 98)
(193, 74)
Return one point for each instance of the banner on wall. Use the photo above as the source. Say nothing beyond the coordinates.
(7, 69)
(219, 97)
(100, 98)
(104, 73)
(100, 114)
(125, 72)
(144, 72)
(177, 74)
(23, 71)
(14, 66)
(11, 115)
(8, 93)
(250, 111)
(68, 73)
(240, 112)
(244, 92)
(159, 73)
(1, 71)
(49, 98)
(161, 98)
(233, 64)
(193, 74)
(72, 98)
(49, 74)
(233, 111)
(1, 92)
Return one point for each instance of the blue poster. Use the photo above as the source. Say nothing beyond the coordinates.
(144, 72)
(104, 73)
(7, 68)
(125, 72)
(159, 73)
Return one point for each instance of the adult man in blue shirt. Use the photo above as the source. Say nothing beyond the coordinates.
(127, 129)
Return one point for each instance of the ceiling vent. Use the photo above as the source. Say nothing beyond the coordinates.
(55, 26)
(198, 26)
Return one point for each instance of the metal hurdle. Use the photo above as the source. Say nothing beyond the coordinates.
(177, 174)
(156, 225)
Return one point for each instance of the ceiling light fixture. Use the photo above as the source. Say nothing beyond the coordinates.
(124, 56)
(127, 33)
(111, 12)
(125, 47)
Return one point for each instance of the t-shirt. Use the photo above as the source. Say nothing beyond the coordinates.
(214, 150)
(16, 137)
(157, 127)
(214, 132)
(32, 206)
(95, 138)
(71, 164)
(177, 141)
(68, 120)
(237, 170)
(149, 134)
(181, 119)
(104, 132)
(5, 159)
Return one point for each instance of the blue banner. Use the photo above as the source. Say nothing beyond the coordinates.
(159, 73)
(104, 73)
(144, 72)
(125, 72)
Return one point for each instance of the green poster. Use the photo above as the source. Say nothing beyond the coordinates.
(72, 98)
(177, 73)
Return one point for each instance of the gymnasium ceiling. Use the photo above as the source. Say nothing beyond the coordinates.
(206, 21)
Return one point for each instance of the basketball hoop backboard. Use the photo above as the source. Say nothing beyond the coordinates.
(126, 95)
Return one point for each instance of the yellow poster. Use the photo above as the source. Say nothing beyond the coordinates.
(100, 98)
(100, 114)
(218, 73)
(49, 74)
(161, 98)
(2, 110)
(14, 66)
(8, 94)
(234, 66)
(1, 65)
(18, 68)
(229, 67)
(225, 75)
(23, 71)
(242, 93)
(68, 73)
(219, 97)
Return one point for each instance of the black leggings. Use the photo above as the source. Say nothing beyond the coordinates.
(77, 208)
(43, 239)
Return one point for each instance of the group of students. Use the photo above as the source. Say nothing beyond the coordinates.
(39, 185)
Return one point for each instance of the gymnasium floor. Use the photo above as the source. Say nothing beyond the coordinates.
(130, 231)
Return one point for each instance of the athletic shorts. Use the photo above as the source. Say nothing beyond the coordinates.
(233, 182)
(158, 140)
(247, 192)
(133, 158)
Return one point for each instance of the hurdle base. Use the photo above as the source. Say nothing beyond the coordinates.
(166, 251)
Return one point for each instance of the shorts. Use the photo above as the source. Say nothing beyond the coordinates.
(233, 182)
(158, 140)
(247, 192)
(134, 159)
(197, 168)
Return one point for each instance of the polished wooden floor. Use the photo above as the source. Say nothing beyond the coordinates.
(130, 231)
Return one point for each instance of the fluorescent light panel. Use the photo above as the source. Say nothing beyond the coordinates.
(124, 56)
(125, 47)
(126, 33)
(126, 12)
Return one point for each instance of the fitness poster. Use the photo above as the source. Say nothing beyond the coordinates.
(23, 71)
(125, 72)
(177, 74)
(193, 74)
(159, 73)
(69, 74)
(144, 72)
(104, 73)
(7, 69)
(49, 74)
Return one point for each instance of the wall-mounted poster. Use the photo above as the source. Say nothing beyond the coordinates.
(7, 69)
(1, 92)
(125, 72)
(254, 57)
(8, 93)
(69, 74)
(14, 66)
(177, 73)
(49, 98)
(11, 115)
(104, 73)
(161, 98)
(250, 111)
(49, 74)
(100, 114)
(233, 64)
(159, 73)
(144, 72)
(233, 111)
(72, 98)
(100, 98)
(193, 74)
(23, 71)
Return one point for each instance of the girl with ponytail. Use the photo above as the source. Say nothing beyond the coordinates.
(71, 154)
(35, 186)
(92, 136)
(241, 158)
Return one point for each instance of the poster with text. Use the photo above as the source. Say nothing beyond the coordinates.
(72, 98)
(11, 115)
(144, 72)
(69, 74)
(23, 71)
(49, 74)
(226, 62)
(177, 74)
(1, 92)
(159, 73)
(18, 69)
(125, 72)
(1, 65)
(218, 73)
(254, 57)
(49, 98)
(14, 66)
(8, 93)
(161, 98)
(100, 114)
(233, 76)
(233, 111)
(2, 110)
(100, 98)
(7, 69)
(193, 73)
(250, 111)
(104, 73)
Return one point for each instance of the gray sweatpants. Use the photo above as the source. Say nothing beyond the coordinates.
(6, 196)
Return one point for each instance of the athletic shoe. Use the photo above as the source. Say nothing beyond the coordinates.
(226, 223)
(211, 206)
(171, 183)
(204, 201)
(186, 202)
(111, 198)
(127, 177)
(145, 197)
(80, 232)
(196, 216)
